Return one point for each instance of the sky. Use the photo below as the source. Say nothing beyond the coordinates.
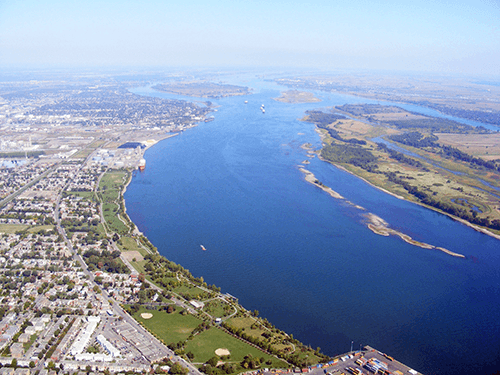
(457, 37)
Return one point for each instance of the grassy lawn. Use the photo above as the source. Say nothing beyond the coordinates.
(169, 327)
(254, 329)
(245, 323)
(110, 189)
(28, 344)
(110, 213)
(112, 180)
(110, 195)
(190, 291)
(130, 244)
(139, 266)
(12, 228)
(37, 228)
(203, 347)
(100, 229)
(218, 308)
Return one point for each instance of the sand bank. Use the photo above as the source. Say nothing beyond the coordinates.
(375, 223)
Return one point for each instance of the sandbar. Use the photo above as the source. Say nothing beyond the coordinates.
(375, 223)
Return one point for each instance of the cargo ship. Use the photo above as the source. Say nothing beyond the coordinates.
(142, 164)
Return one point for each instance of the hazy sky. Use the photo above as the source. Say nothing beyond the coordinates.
(439, 36)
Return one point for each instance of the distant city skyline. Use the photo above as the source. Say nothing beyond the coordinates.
(460, 37)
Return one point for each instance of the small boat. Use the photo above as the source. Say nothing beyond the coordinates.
(246, 101)
(203, 248)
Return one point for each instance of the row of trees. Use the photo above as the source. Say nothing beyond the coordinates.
(402, 158)
(448, 207)
(418, 140)
(349, 154)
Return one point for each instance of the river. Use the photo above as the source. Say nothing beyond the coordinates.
(306, 261)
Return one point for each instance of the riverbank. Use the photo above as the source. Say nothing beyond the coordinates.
(427, 179)
(462, 221)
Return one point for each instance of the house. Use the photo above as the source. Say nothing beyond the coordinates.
(17, 350)
(196, 304)
(7, 371)
(22, 371)
(24, 337)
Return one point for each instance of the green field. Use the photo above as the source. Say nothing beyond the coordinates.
(253, 328)
(130, 244)
(113, 180)
(218, 309)
(139, 266)
(172, 328)
(111, 214)
(203, 347)
(110, 188)
(13, 228)
(169, 327)
(190, 292)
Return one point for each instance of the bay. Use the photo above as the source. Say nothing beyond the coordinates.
(308, 262)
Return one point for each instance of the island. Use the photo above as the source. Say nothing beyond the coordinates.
(295, 96)
(471, 99)
(202, 89)
(424, 159)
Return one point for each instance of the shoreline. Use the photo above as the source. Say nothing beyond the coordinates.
(479, 229)
(470, 225)
(375, 223)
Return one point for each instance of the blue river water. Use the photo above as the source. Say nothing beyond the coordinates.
(306, 261)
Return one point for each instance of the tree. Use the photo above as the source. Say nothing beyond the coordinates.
(178, 369)
(213, 361)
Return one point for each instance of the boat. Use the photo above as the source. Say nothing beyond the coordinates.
(142, 164)
(246, 101)
(203, 248)
(262, 109)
